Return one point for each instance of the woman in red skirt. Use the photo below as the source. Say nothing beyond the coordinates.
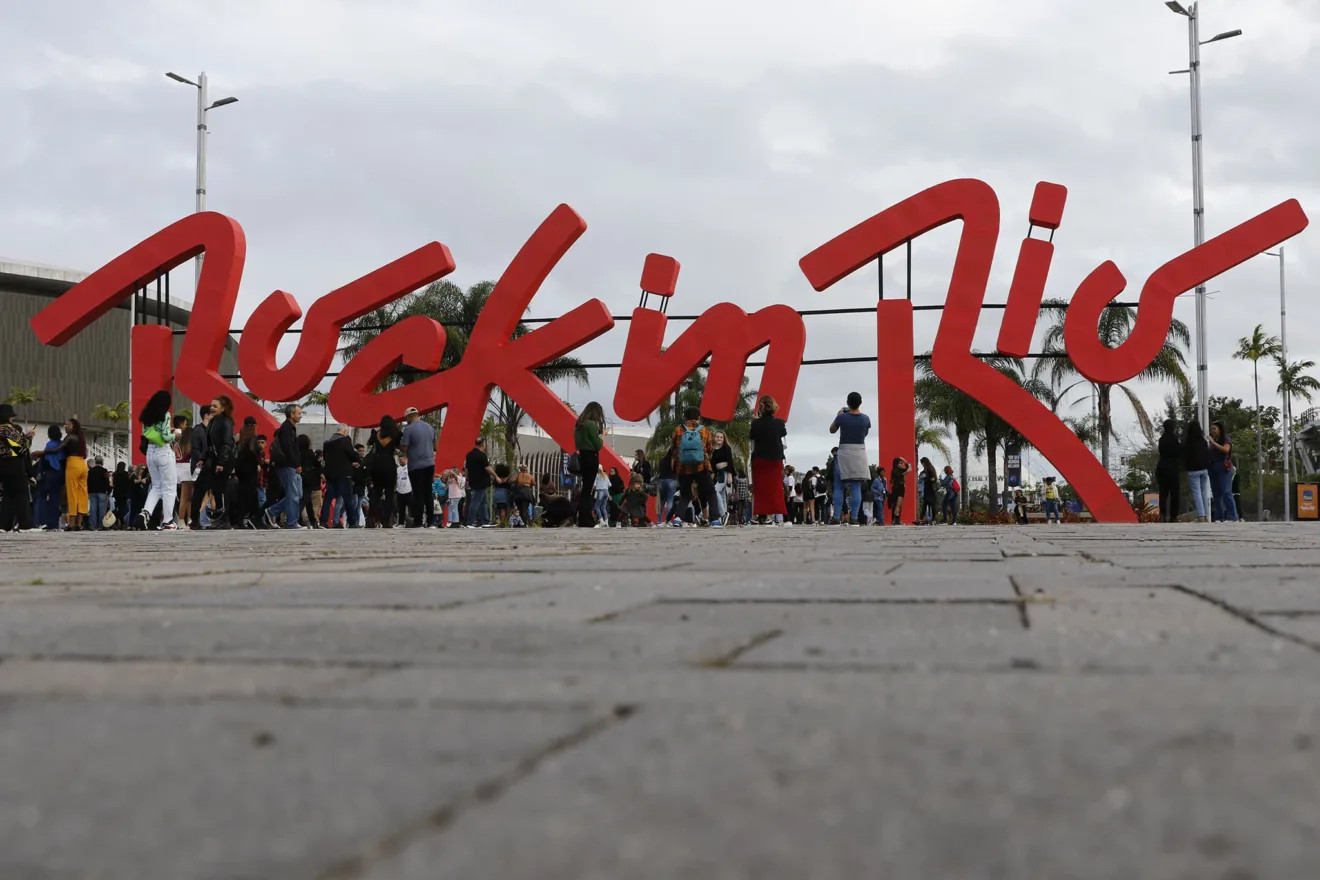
(767, 436)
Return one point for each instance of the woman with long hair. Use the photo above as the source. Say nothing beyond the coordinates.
(74, 449)
(767, 435)
(247, 467)
(1221, 474)
(183, 473)
(382, 447)
(1196, 458)
(159, 434)
(589, 438)
(721, 462)
(929, 481)
(312, 470)
(897, 488)
(219, 459)
(1168, 472)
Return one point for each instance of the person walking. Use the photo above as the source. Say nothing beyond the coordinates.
(1196, 458)
(767, 435)
(247, 470)
(589, 438)
(1168, 472)
(201, 441)
(1221, 473)
(852, 426)
(310, 477)
(666, 488)
(418, 445)
(15, 452)
(220, 452)
(161, 437)
(341, 461)
(287, 463)
(692, 444)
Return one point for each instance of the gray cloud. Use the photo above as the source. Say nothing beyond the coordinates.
(363, 132)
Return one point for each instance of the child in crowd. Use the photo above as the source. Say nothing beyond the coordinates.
(634, 503)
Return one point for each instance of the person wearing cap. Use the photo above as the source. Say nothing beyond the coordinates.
(418, 445)
(15, 447)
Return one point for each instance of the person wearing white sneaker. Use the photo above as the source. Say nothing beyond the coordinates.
(160, 436)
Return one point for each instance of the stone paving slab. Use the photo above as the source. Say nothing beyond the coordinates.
(1040, 702)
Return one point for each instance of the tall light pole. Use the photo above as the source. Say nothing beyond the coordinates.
(1194, 45)
(203, 106)
(1287, 404)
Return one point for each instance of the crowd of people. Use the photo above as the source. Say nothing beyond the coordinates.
(215, 476)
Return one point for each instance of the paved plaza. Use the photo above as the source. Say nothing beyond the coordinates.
(1069, 702)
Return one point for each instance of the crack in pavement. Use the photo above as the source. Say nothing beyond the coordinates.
(486, 792)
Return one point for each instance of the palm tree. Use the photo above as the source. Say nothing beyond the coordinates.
(457, 310)
(932, 435)
(321, 399)
(994, 433)
(1115, 326)
(1253, 348)
(120, 412)
(1294, 380)
(670, 415)
(24, 396)
(950, 406)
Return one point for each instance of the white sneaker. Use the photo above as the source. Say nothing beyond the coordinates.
(601, 525)
(786, 524)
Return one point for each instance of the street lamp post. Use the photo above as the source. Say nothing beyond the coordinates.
(1287, 404)
(203, 105)
(1194, 45)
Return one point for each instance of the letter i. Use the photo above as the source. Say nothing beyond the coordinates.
(1033, 267)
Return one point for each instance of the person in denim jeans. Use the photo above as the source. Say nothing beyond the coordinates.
(1196, 457)
(286, 459)
(666, 487)
(1221, 473)
(1050, 502)
(98, 494)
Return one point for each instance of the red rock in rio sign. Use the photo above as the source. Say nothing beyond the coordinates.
(724, 333)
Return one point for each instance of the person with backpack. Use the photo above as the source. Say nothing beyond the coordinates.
(691, 446)
(949, 508)
(1050, 501)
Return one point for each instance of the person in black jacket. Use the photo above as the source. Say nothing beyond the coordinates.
(197, 458)
(220, 453)
(1196, 458)
(311, 480)
(383, 471)
(1168, 472)
(287, 463)
(247, 467)
(341, 460)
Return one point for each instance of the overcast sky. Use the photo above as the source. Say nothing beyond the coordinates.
(735, 136)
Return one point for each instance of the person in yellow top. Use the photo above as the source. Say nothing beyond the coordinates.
(690, 449)
(1050, 501)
